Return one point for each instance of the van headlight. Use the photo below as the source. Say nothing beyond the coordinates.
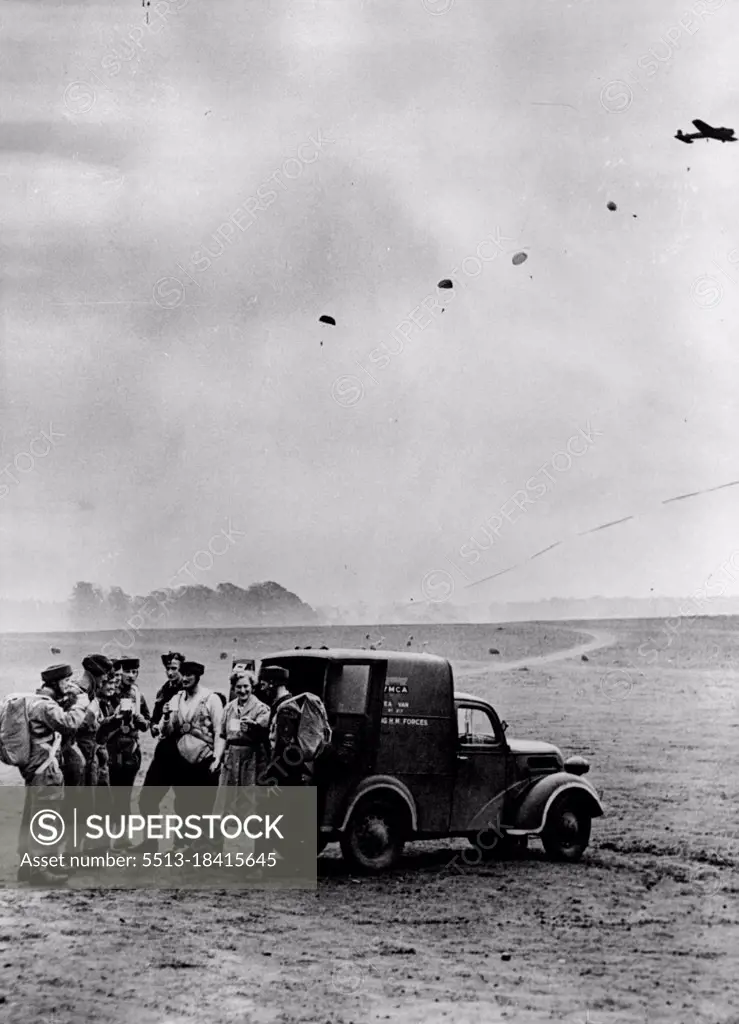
(577, 765)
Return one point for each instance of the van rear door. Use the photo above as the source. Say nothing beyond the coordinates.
(353, 704)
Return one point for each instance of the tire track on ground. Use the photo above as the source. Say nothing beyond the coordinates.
(598, 640)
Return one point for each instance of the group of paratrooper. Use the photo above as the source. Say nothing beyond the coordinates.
(84, 729)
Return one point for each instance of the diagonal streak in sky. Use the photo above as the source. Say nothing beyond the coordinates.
(603, 526)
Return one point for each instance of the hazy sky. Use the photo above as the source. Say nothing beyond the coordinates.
(387, 141)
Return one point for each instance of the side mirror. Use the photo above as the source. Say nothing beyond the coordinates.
(504, 725)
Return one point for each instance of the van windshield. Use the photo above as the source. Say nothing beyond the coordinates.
(348, 689)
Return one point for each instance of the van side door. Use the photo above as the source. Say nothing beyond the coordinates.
(480, 778)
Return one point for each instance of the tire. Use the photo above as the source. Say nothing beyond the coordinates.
(373, 840)
(493, 847)
(567, 830)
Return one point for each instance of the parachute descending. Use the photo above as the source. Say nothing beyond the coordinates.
(446, 283)
(327, 320)
(519, 258)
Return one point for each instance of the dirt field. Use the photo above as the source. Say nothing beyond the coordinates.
(643, 929)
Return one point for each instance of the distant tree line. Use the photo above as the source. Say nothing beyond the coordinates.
(261, 604)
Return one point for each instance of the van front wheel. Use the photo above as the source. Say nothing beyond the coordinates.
(567, 830)
(373, 840)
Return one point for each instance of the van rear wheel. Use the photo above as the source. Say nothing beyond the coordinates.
(373, 840)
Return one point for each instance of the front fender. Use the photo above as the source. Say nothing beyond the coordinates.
(531, 815)
(379, 784)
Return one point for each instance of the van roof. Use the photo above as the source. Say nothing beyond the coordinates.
(356, 653)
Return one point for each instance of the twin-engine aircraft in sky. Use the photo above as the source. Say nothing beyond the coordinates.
(705, 131)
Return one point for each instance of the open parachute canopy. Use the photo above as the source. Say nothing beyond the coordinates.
(519, 258)
(327, 320)
(446, 283)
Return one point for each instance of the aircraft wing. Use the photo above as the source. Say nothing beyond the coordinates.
(706, 129)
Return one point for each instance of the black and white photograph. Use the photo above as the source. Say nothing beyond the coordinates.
(369, 512)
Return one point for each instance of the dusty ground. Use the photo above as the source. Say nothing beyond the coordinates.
(645, 928)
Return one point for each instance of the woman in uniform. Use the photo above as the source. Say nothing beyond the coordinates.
(241, 749)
